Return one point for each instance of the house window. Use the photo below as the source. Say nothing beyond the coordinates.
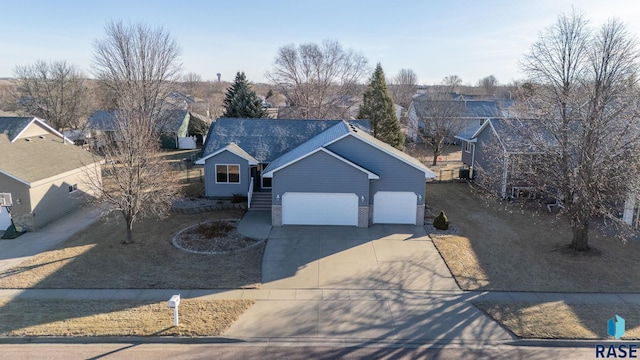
(73, 188)
(227, 174)
(467, 146)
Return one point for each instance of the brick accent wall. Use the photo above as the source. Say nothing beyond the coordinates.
(276, 215)
(363, 216)
(420, 215)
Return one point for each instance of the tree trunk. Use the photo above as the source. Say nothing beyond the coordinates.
(435, 159)
(580, 229)
(129, 239)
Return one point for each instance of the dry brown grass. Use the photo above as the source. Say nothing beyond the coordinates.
(448, 163)
(95, 259)
(510, 248)
(557, 320)
(117, 318)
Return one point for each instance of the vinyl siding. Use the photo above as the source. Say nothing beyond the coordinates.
(213, 189)
(320, 173)
(395, 175)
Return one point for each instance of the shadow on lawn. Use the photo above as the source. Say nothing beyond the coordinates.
(516, 248)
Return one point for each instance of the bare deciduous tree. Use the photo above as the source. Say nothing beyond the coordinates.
(192, 82)
(318, 79)
(138, 65)
(439, 121)
(453, 82)
(403, 87)
(488, 85)
(586, 98)
(54, 91)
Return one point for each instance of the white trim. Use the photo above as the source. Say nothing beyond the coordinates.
(15, 178)
(202, 160)
(215, 168)
(73, 188)
(426, 170)
(47, 127)
(371, 175)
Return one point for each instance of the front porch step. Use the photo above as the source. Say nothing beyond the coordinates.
(261, 201)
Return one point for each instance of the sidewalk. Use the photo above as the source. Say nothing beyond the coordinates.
(15, 251)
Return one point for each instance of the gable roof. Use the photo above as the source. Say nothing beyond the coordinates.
(336, 133)
(512, 134)
(370, 175)
(266, 139)
(171, 120)
(234, 149)
(14, 126)
(465, 108)
(36, 158)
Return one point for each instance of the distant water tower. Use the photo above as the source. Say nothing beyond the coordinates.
(218, 74)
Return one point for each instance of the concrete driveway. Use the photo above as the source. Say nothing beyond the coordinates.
(383, 284)
(393, 257)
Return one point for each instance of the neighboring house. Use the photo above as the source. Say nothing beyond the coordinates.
(469, 113)
(316, 172)
(42, 174)
(177, 127)
(500, 156)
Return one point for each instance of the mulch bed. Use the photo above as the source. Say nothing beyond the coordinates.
(216, 237)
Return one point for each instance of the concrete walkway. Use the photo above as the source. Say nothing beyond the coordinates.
(283, 312)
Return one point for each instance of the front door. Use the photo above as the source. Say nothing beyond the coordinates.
(266, 182)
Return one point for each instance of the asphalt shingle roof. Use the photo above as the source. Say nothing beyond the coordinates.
(104, 120)
(40, 158)
(466, 108)
(267, 139)
(12, 126)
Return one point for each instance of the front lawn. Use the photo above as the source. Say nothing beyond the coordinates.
(95, 259)
(507, 247)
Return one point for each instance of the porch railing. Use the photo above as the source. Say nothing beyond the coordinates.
(250, 194)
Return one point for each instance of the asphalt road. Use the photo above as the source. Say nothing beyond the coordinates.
(286, 351)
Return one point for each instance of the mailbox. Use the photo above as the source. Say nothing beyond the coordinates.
(174, 301)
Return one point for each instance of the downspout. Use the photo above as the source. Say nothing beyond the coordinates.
(473, 161)
(505, 175)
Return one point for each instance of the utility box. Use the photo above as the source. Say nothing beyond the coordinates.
(174, 301)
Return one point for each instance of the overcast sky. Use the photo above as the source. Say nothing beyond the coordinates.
(471, 39)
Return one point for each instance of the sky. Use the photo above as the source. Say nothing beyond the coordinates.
(470, 39)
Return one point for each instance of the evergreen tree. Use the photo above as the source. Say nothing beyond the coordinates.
(378, 108)
(241, 101)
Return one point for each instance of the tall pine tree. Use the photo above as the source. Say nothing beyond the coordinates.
(241, 101)
(378, 108)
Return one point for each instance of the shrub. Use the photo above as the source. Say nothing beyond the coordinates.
(214, 229)
(238, 198)
(441, 221)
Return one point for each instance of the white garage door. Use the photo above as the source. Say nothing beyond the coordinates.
(394, 207)
(319, 209)
(5, 218)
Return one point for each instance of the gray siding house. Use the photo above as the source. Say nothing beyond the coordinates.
(502, 157)
(316, 172)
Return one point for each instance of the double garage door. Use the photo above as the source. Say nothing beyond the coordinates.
(389, 207)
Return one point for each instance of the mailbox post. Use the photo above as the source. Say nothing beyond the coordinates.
(174, 302)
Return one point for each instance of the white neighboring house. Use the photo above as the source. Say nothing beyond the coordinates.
(45, 174)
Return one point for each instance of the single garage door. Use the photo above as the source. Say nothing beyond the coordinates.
(5, 218)
(319, 209)
(394, 207)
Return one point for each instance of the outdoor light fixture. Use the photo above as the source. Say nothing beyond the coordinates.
(420, 197)
(362, 198)
(278, 197)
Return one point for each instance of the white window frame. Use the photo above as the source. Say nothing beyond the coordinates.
(467, 146)
(6, 196)
(228, 182)
(73, 188)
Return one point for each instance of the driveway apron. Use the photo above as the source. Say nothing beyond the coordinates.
(382, 283)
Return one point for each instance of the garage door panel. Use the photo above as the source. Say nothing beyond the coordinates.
(394, 207)
(319, 209)
(5, 218)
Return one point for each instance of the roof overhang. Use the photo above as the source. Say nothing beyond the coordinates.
(232, 149)
(371, 176)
